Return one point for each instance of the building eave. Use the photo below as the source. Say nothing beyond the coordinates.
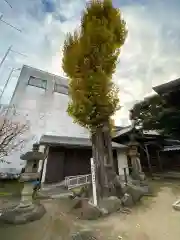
(44, 72)
(75, 142)
(167, 87)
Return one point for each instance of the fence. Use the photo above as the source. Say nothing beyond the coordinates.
(76, 181)
(79, 180)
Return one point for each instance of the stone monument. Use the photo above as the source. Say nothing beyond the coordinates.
(28, 209)
(138, 177)
(137, 173)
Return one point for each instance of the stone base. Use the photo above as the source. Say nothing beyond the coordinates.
(136, 192)
(110, 205)
(86, 211)
(127, 200)
(144, 185)
(22, 215)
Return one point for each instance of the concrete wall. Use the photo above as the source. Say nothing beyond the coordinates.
(122, 162)
(46, 109)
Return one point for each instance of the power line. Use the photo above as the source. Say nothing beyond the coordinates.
(8, 3)
(7, 52)
(10, 25)
(22, 54)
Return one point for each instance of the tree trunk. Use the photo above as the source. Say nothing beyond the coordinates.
(109, 164)
(108, 144)
(100, 144)
(95, 157)
(103, 156)
(99, 155)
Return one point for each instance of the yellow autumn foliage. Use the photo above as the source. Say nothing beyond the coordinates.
(90, 58)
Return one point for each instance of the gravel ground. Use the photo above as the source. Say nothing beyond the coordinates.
(152, 219)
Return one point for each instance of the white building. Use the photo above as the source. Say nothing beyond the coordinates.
(43, 97)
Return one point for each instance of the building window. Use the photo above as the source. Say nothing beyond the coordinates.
(37, 82)
(59, 88)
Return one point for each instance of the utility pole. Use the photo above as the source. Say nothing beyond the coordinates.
(5, 55)
(9, 77)
(17, 29)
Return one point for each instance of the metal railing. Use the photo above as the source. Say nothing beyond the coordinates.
(79, 180)
(76, 181)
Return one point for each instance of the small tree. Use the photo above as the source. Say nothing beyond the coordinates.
(11, 132)
(90, 58)
(148, 112)
(154, 113)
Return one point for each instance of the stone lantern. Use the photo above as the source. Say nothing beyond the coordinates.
(28, 209)
(134, 155)
(30, 174)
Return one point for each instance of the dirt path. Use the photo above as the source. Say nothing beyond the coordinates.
(153, 219)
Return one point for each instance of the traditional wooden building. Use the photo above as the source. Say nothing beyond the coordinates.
(70, 156)
(158, 154)
(150, 143)
(170, 91)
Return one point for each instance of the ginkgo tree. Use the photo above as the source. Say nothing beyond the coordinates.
(90, 57)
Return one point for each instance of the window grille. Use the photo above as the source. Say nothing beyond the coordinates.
(59, 88)
(37, 82)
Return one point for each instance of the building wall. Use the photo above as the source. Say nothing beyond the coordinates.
(122, 162)
(45, 109)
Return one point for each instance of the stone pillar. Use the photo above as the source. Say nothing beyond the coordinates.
(136, 165)
(26, 196)
(27, 192)
(137, 173)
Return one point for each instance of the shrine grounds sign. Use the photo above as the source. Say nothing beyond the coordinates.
(94, 188)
